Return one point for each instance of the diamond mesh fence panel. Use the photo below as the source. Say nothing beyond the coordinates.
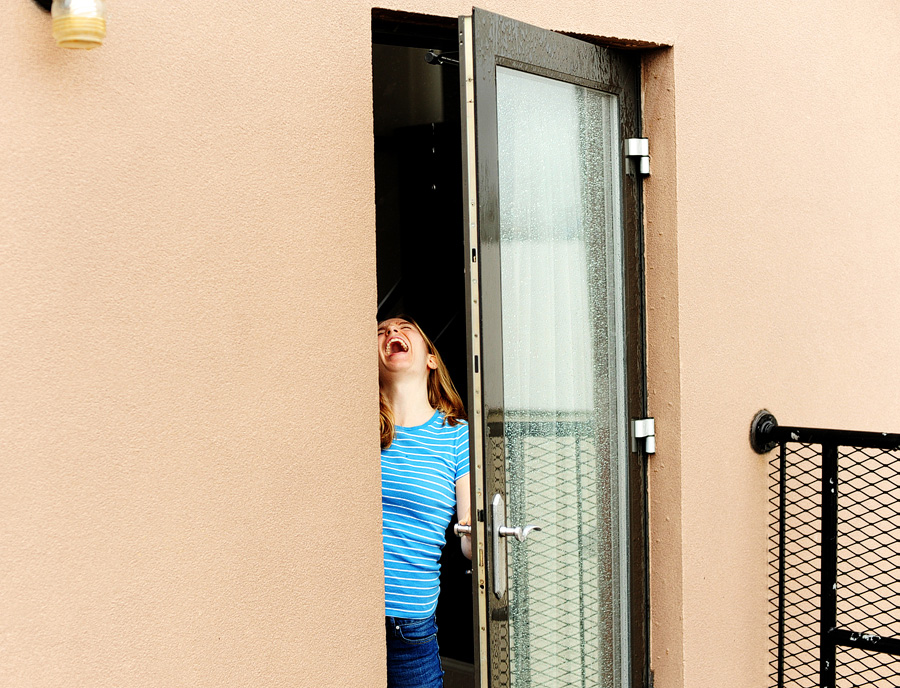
(858, 668)
(802, 533)
(868, 564)
(868, 575)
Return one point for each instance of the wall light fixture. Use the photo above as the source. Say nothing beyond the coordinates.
(77, 23)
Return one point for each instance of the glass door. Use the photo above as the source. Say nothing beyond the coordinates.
(556, 356)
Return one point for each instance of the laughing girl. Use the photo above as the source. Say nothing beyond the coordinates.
(425, 478)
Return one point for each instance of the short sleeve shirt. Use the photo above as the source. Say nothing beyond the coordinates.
(418, 496)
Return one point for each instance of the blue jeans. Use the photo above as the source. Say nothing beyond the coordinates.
(413, 660)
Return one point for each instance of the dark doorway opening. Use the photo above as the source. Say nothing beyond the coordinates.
(419, 240)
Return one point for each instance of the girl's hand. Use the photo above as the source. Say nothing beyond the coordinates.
(465, 541)
(464, 513)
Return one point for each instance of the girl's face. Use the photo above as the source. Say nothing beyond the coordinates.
(402, 349)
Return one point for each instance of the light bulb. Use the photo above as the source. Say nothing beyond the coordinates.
(79, 23)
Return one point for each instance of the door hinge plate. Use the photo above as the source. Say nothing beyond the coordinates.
(637, 151)
(643, 429)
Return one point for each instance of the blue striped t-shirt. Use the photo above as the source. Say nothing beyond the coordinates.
(418, 497)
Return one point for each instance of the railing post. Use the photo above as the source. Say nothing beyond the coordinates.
(828, 591)
(782, 535)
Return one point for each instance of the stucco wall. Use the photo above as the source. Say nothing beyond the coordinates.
(190, 482)
(189, 472)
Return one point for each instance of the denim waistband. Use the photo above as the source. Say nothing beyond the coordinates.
(397, 621)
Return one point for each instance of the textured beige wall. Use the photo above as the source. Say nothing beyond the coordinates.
(663, 379)
(189, 476)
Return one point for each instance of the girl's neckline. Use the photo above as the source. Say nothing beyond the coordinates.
(423, 425)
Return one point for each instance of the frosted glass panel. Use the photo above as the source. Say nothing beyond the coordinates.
(560, 226)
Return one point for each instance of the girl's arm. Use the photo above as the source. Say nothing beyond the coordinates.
(463, 513)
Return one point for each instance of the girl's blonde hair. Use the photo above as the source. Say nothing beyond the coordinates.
(442, 395)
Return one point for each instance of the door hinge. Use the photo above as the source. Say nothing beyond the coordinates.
(643, 429)
(637, 151)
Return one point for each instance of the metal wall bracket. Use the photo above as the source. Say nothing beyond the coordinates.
(761, 429)
(644, 429)
(637, 151)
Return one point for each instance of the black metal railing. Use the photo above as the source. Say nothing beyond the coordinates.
(835, 555)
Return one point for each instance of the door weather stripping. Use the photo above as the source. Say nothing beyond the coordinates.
(644, 429)
(638, 152)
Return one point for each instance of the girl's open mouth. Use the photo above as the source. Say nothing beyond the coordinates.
(396, 345)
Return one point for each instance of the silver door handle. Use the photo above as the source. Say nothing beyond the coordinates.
(499, 530)
(519, 532)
